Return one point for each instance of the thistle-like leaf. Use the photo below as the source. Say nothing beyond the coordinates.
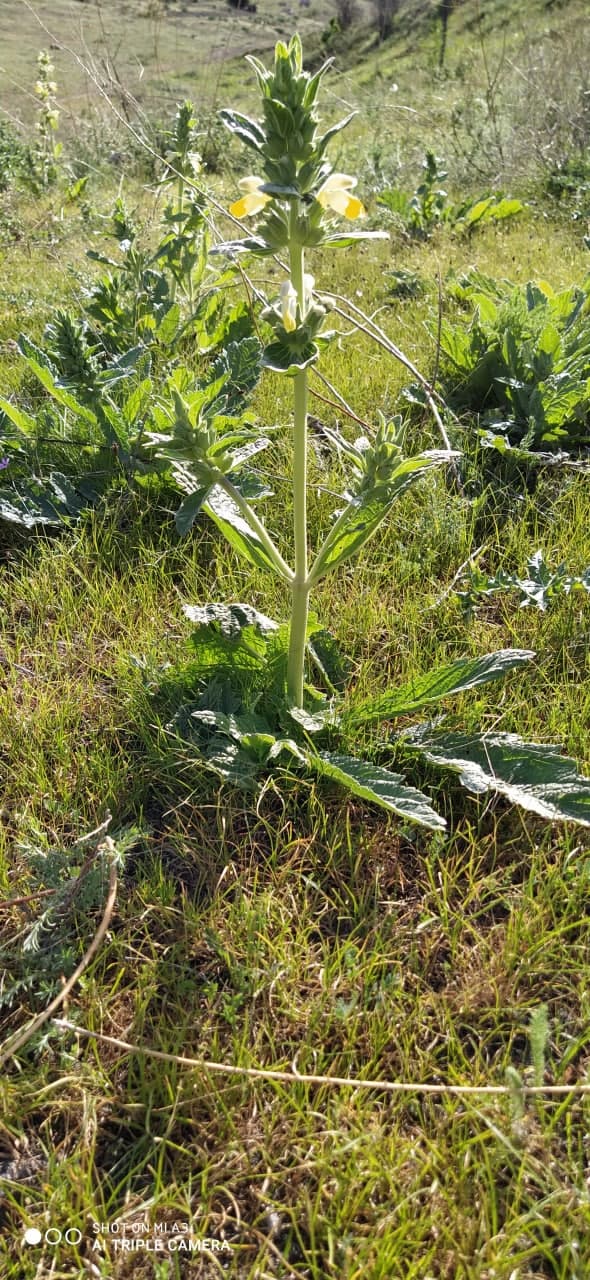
(530, 774)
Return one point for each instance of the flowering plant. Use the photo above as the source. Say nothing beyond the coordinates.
(243, 721)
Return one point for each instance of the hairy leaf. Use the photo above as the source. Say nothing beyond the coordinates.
(231, 618)
(530, 774)
(224, 512)
(365, 512)
(464, 673)
(189, 509)
(384, 788)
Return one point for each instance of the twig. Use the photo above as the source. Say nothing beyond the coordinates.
(17, 1041)
(342, 403)
(28, 897)
(434, 378)
(295, 1077)
(372, 330)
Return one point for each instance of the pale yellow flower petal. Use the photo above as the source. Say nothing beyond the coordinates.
(254, 199)
(251, 183)
(339, 182)
(335, 194)
(288, 298)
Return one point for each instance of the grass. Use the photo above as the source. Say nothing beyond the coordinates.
(298, 926)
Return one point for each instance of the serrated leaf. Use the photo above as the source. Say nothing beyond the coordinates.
(378, 785)
(240, 363)
(38, 363)
(231, 618)
(456, 677)
(532, 775)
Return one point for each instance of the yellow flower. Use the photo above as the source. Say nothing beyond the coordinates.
(253, 201)
(288, 296)
(335, 194)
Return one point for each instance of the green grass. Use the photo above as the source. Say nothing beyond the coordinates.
(298, 926)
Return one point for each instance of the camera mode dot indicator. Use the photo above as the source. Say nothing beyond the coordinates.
(32, 1235)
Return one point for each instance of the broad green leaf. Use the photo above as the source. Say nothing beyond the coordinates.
(364, 513)
(239, 727)
(27, 509)
(530, 774)
(333, 667)
(477, 211)
(226, 515)
(138, 401)
(506, 209)
(287, 359)
(189, 509)
(314, 722)
(23, 421)
(240, 363)
(289, 745)
(464, 673)
(218, 653)
(168, 327)
(47, 501)
(231, 618)
(37, 362)
(378, 785)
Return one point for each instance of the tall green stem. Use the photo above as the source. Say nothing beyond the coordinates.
(300, 586)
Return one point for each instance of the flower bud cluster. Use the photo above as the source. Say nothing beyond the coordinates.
(196, 444)
(296, 178)
(380, 457)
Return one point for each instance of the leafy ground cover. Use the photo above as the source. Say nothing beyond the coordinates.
(297, 927)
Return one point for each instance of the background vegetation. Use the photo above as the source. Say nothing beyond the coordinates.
(296, 926)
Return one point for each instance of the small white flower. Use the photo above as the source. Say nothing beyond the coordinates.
(253, 201)
(335, 194)
(288, 297)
